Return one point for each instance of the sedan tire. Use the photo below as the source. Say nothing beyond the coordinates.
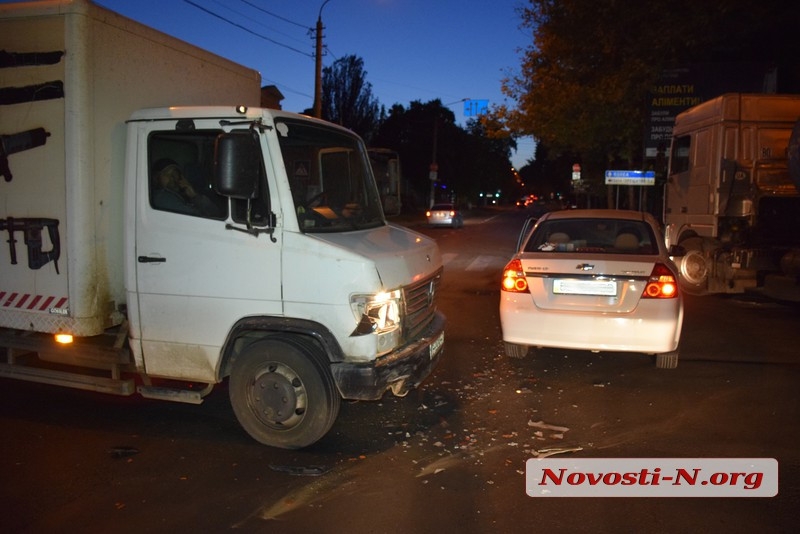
(667, 360)
(516, 351)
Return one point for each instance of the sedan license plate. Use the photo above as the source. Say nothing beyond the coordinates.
(602, 288)
(436, 345)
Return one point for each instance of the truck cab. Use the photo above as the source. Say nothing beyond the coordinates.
(730, 201)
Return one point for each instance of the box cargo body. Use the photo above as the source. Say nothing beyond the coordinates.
(730, 199)
(78, 71)
(178, 236)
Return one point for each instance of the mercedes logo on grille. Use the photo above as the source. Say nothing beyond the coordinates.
(431, 292)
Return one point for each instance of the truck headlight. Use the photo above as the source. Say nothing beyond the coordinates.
(378, 313)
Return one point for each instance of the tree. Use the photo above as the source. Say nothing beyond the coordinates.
(347, 97)
(584, 80)
(469, 161)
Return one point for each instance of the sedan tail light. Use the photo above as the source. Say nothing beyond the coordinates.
(514, 280)
(662, 283)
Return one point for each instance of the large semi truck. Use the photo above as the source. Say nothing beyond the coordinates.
(162, 234)
(731, 201)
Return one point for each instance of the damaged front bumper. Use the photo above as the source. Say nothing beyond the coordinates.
(400, 371)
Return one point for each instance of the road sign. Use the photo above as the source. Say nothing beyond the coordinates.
(473, 108)
(630, 178)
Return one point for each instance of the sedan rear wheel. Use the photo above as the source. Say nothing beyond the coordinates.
(667, 360)
(516, 351)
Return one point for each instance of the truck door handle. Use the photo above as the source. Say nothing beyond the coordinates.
(149, 259)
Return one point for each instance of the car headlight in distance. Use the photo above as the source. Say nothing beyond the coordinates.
(378, 313)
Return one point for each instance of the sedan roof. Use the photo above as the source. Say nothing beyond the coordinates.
(595, 214)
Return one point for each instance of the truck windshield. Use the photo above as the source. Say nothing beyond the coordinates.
(330, 177)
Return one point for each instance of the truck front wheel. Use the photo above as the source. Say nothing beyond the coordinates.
(283, 394)
(694, 267)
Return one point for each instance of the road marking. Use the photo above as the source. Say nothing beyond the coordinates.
(482, 263)
(448, 257)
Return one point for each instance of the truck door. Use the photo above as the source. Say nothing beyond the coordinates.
(194, 275)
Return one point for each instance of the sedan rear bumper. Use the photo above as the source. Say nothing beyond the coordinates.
(654, 326)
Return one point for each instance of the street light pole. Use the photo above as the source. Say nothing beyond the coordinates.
(318, 65)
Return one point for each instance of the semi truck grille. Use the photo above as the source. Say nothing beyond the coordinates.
(420, 304)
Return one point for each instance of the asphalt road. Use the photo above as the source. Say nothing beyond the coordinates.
(448, 457)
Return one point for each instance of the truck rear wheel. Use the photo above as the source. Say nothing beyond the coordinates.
(283, 393)
(694, 267)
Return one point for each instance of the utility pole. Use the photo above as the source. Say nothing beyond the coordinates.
(318, 64)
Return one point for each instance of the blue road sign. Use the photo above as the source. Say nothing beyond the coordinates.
(630, 178)
(474, 108)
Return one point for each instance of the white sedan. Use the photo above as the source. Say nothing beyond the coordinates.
(598, 280)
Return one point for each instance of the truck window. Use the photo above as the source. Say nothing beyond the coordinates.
(330, 176)
(258, 207)
(679, 161)
(181, 167)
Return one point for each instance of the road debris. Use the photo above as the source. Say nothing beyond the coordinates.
(123, 452)
(301, 470)
(544, 453)
(545, 426)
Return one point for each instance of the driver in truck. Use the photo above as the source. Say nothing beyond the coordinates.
(173, 192)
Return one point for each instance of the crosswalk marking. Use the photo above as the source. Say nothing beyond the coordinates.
(468, 262)
(482, 263)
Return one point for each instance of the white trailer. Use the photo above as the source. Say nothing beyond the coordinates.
(176, 235)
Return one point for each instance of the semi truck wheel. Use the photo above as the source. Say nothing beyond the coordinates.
(694, 267)
(283, 393)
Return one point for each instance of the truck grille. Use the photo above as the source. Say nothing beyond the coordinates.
(419, 300)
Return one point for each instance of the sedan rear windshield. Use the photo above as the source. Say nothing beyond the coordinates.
(609, 236)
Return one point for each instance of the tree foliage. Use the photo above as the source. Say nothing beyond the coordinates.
(584, 79)
(469, 161)
(347, 97)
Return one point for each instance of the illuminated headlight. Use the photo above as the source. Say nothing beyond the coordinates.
(379, 313)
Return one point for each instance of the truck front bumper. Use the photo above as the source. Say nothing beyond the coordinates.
(400, 371)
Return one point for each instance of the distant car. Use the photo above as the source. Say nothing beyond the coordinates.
(598, 280)
(445, 215)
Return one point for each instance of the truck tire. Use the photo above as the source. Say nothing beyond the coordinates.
(283, 393)
(694, 267)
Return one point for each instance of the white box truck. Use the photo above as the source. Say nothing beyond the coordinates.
(162, 234)
(732, 198)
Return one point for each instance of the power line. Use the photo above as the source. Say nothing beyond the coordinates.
(273, 41)
(251, 4)
(250, 18)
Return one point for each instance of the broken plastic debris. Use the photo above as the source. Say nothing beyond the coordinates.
(123, 452)
(545, 426)
(544, 453)
(302, 470)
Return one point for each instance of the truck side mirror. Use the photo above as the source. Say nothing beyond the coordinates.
(237, 165)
